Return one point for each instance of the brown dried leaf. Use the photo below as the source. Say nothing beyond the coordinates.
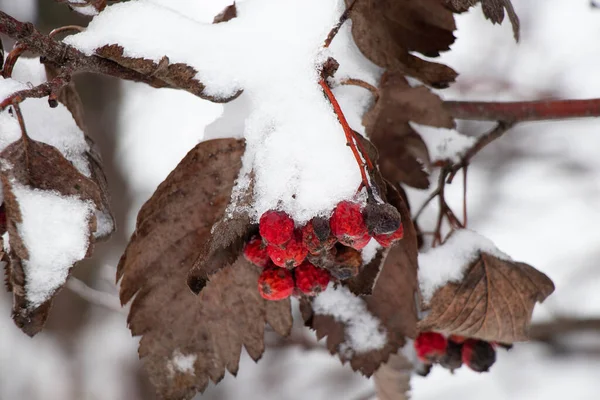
(209, 329)
(392, 379)
(178, 76)
(69, 97)
(403, 156)
(493, 302)
(229, 13)
(387, 31)
(38, 166)
(392, 301)
(492, 9)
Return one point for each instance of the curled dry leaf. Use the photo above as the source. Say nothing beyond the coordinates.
(229, 13)
(403, 156)
(492, 9)
(178, 75)
(392, 379)
(189, 339)
(36, 165)
(392, 302)
(494, 301)
(69, 97)
(388, 31)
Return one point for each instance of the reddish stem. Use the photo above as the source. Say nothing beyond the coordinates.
(11, 59)
(520, 111)
(347, 131)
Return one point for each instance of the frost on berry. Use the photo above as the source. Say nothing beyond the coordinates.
(316, 236)
(275, 283)
(289, 255)
(255, 251)
(347, 223)
(381, 219)
(430, 346)
(276, 227)
(478, 355)
(310, 279)
(386, 240)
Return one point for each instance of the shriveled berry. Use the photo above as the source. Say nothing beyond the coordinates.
(289, 255)
(346, 262)
(310, 279)
(381, 218)
(430, 346)
(316, 236)
(478, 355)
(255, 251)
(276, 227)
(453, 358)
(387, 240)
(275, 283)
(347, 222)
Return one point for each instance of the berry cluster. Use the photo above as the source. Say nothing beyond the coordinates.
(454, 351)
(302, 260)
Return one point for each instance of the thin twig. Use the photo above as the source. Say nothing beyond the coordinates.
(334, 31)
(50, 88)
(93, 296)
(360, 83)
(67, 28)
(520, 111)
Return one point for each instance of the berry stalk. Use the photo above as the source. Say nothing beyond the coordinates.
(350, 138)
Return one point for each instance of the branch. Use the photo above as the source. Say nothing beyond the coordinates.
(547, 331)
(521, 111)
(93, 296)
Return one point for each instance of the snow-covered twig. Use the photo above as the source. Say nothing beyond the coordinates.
(94, 296)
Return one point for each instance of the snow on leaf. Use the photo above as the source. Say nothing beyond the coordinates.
(55, 182)
(172, 229)
(392, 302)
(448, 262)
(403, 155)
(388, 31)
(291, 132)
(472, 289)
(492, 9)
(87, 7)
(444, 144)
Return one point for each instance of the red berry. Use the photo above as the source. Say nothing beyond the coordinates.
(275, 283)
(387, 240)
(289, 255)
(361, 242)
(310, 279)
(255, 251)
(457, 339)
(430, 346)
(347, 223)
(478, 355)
(316, 236)
(276, 227)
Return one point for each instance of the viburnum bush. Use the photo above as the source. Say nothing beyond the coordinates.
(307, 201)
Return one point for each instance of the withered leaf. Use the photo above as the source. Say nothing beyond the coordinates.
(229, 13)
(37, 166)
(403, 156)
(69, 97)
(387, 31)
(492, 9)
(165, 74)
(493, 302)
(392, 379)
(208, 330)
(392, 302)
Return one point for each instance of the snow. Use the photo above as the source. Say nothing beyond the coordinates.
(53, 126)
(295, 145)
(182, 363)
(88, 9)
(55, 232)
(363, 330)
(370, 251)
(444, 144)
(448, 262)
